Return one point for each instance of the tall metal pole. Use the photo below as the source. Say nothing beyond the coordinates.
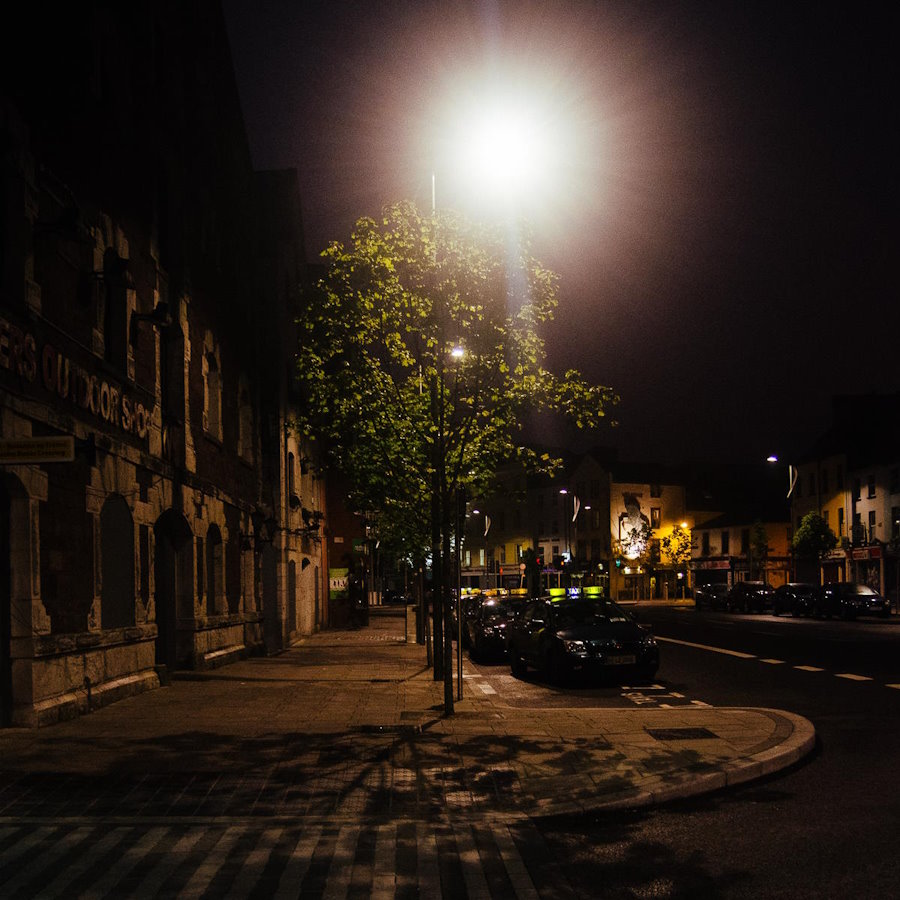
(460, 519)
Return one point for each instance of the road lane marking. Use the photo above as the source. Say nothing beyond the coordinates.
(486, 688)
(849, 676)
(736, 653)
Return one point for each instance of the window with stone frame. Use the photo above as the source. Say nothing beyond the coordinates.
(212, 388)
(215, 571)
(245, 421)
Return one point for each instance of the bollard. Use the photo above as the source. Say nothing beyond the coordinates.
(411, 616)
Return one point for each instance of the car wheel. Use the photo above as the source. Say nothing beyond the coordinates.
(517, 665)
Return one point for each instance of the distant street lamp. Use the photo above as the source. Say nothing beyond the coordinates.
(793, 475)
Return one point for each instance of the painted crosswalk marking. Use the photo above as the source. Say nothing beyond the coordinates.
(184, 860)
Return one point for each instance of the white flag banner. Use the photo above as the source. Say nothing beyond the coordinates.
(576, 505)
(487, 525)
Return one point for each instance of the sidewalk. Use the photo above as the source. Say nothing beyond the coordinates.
(349, 725)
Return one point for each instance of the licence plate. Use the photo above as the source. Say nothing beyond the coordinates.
(625, 660)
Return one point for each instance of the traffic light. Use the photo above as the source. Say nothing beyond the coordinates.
(618, 562)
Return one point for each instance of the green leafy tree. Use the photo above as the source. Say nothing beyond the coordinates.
(419, 357)
(759, 550)
(676, 548)
(813, 540)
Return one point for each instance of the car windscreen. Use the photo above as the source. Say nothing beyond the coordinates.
(602, 613)
(495, 609)
(863, 589)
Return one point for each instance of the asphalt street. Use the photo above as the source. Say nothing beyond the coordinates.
(826, 827)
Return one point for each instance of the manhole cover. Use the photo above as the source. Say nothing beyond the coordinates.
(680, 734)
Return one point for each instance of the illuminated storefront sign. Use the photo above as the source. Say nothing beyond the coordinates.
(70, 381)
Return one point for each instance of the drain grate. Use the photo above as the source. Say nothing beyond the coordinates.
(680, 734)
(386, 729)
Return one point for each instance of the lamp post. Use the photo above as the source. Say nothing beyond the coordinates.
(793, 475)
(498, 147)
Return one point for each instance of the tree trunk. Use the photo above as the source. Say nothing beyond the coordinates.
(436, 568)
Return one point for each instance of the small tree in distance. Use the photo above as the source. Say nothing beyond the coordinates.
(813, 540)
(676, 547)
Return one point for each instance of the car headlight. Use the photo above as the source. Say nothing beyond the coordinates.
(648, 641)
(574, 646)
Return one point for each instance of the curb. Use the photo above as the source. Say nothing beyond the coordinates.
(798, 744)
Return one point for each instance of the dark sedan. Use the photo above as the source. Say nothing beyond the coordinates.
(839, 598)
(580, 636)
(869, 601)
(749, 596)
(796, 598)
(486, 629)
(711, 596)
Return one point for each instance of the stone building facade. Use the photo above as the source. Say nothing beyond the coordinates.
(147, 516)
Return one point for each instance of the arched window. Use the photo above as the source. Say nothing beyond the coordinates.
(245, 421)
(215, 588)
(212, 388)
(117, 564)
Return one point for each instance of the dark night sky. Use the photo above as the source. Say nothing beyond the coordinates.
(724, 209)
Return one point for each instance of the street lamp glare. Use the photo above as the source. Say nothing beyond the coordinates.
(458, 352)
(504, 147)
(772, 458)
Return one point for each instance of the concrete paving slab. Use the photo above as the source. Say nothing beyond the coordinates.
(350, 725)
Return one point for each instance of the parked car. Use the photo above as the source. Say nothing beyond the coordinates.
(583, 636)
(796, 598)
(471, 601)
(875, 604)
(850, 599)
(749, 596)
(711, 596)
(838, 598)
(485, 630)
(390, 597)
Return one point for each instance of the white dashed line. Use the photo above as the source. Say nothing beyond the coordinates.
(486, 688)
(736, 653)
(849, 676)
